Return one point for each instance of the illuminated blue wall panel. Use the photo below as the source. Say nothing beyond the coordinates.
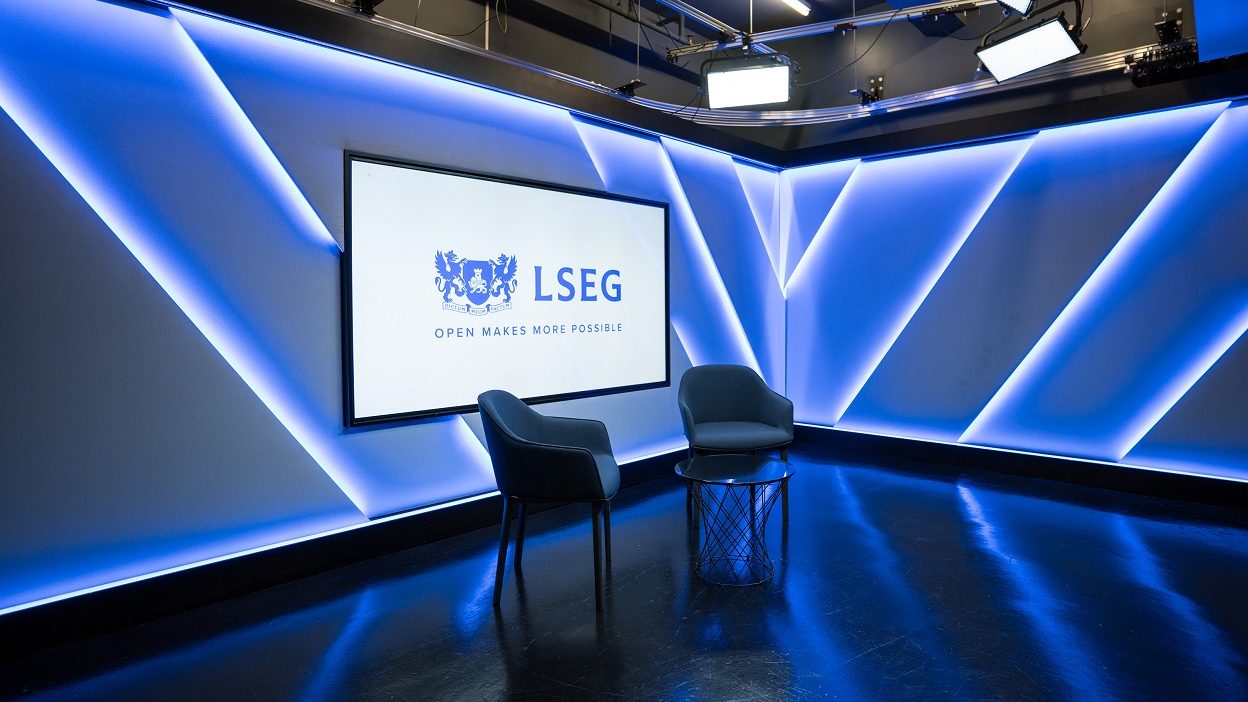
(1072, 197)
(212, 153)
(310, 103)
(703, 316)
(279, 82)
(1205, 432)
(192, 173)
(257, 277)
(896, 226)
(1164, 305)
(120, 452)
(762, 191)
(806, 198)
(724, 215)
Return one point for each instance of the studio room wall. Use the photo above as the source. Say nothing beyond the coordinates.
(174, 198)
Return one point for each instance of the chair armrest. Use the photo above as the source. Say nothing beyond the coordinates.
(777, 410)
(589, 434)
(686, 418)
(556, 473)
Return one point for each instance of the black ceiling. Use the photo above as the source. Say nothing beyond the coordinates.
(985, 117)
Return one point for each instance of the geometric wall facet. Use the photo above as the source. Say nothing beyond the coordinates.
(121, 423)
(738, 250)
(1072, 197)
(1204, 432)
(806, 198)
(1164, 305)
(895, 227)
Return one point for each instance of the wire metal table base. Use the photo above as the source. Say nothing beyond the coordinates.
(733, 534)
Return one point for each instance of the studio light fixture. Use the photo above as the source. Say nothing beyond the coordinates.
(1022, 7)
(798, 6)
(1036, 47)
(747, 80)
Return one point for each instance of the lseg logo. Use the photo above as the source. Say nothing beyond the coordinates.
(474, 282)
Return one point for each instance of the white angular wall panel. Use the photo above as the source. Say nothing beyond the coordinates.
(896, 226)
(1072, 197)
(1166, 303)
(719, 204)
(121, 453)
(807, 196)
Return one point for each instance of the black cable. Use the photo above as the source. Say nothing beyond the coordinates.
(860, 56)
(470, 31)
(700, 91)
(981, 35)
(696, 94)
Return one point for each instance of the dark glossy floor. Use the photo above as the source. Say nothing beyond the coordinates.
(902, 582)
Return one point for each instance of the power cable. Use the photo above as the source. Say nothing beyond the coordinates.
(860, 57)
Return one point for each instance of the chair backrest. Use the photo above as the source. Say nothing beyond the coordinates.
(722, 393)
(508, 423)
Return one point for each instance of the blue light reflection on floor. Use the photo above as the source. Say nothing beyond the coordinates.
(1033, 597)
(1041, 591)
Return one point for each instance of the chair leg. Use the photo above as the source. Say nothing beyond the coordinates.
(606, 527)
(521, 513)
(754, 510)
(784, 502)
(784, 453)
(504, 534)
(595, 511)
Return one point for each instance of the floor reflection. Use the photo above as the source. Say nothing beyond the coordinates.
(899, 582)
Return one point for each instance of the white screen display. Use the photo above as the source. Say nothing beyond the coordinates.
(455, 284)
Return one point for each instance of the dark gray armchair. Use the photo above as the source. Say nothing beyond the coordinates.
(548, 459)
(729, 409)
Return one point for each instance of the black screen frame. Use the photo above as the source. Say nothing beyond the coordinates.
(348, 362)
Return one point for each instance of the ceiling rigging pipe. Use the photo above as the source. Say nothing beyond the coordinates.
(726, 31)
(633, 15)
(837, 25)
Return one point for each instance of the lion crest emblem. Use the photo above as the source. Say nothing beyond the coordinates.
(469, 285)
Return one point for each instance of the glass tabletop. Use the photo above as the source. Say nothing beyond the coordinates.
(734, 469)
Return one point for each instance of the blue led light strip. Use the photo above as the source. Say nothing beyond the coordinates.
(240, 554)
(1021, 452)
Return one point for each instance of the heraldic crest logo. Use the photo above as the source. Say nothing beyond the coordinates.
(473, 282)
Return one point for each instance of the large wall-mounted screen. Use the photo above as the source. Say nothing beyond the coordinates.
(455, 283)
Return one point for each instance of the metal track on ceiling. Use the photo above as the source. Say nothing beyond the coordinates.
(1104, 63)
(845, 24)
(1113, 62)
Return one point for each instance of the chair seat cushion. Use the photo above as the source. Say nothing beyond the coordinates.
(731, 436)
